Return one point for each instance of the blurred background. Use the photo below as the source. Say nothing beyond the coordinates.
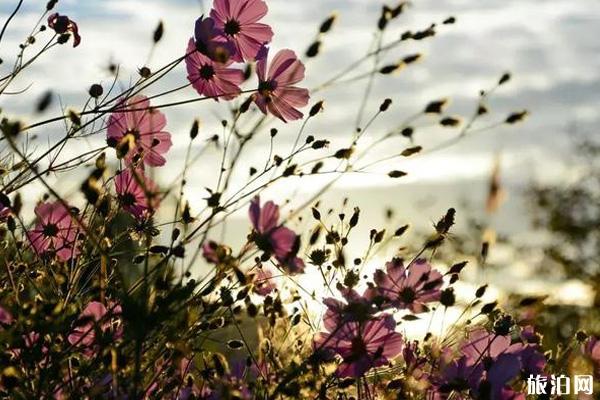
(550, 47)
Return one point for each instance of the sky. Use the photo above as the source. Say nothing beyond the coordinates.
(549, 46)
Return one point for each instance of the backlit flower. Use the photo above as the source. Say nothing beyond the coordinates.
(137, 193)
(55, 231)
(212, 78)
(238, 20)
(263, 282)
(276, 93)
(487, 364)
(95, 320)
(272, 238)
(361, 346)
(61, 24)
(409, 288)
(136, 120)
(211, 42)
(357, 308)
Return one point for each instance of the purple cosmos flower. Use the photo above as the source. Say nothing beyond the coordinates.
(212, 78)
(272, 238)
(276, 91)
(483, 344)
(458, 376)
(137, 193)
(55, 231)
(61, 24)
(361, 345)
(357, 308)
(145, 126)
(238, 20)
(292, 263)
(416, 362)
(487, 364)
(408, 288)
(529, 335)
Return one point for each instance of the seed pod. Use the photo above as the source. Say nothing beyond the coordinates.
(316, 214)
(516, 117)
(343, 154)
(450, 122)
(319, 144)
(354, 218)
(313, 49)
(195, 129)
(457, 268)
(411, 151)
(44, 102)
(408, 132)
(447, 298)
(481, 291)
(396, 174)
(449, 21)
(158, 32)
(411, 58)
(145, 72)
(317, 108)
(385, 105)
(96, 90)
(435, 107)
(328, 23)
(504, 78)
(489, 307)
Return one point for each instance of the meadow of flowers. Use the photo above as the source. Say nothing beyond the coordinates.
(101, 291)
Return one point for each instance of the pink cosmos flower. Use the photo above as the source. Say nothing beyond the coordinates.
(481, 344)
(488, 362)
(238, 20)
(209, 252)
(272, 238)
(411, 288)
(291, 263)
(55, 231)
(276, 93)
(61, 24)
(5, 317)
(362, 346)
(211, 42)
(33, 345)
(135, 117)
(137, 193)
(357, 308)
(212, 78)
(95, 319)
(263, 282)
